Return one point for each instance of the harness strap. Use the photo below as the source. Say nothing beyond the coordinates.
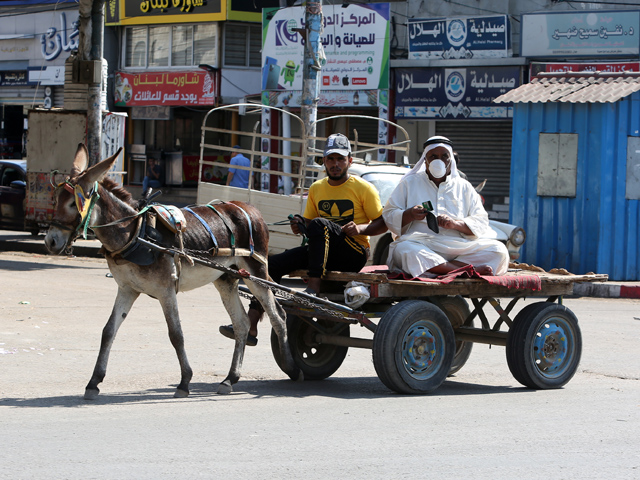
(132, 240)
(248, 221)
(205, 225)
(232, 238)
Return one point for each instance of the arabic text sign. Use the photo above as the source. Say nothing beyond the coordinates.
(355, 40)
(613, 67)
(331, 98)
(13, 78)
(454, 38)
(38, 37)
(602, 33)
(454, 92)
(164, 88)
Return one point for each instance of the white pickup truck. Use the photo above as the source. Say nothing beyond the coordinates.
(276, 207)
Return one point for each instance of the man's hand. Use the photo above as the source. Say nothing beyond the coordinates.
(351, 229)
(295, 223)
(445, 221)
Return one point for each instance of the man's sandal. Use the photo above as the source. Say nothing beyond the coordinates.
(227, 331)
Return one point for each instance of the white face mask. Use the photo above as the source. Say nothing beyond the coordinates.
(437, 168)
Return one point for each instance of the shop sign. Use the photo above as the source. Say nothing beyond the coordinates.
(593, 34)
(13, 78)
(613, 67)
(464, 93)
(165, 88)
(46, 75)
(355, 41)
(45, 38)
(146, 12)
(455, 38)
(331, 98)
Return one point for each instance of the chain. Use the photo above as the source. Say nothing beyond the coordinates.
(278, 292)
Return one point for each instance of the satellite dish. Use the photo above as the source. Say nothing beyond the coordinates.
(48, 103)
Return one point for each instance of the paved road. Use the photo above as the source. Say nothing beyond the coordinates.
(479, 424)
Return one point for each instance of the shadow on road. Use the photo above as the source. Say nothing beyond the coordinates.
(18, 266)
(336, 387)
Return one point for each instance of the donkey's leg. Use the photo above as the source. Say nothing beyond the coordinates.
(228, 289)
(124, 301)
(277, 316)
(169, 304)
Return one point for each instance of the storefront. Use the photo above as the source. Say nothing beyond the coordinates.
(456, 68)
(32, 57)
(177, 61)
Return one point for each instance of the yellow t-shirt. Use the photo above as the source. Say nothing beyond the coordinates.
(354, 200)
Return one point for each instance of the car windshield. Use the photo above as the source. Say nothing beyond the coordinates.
(385, 183)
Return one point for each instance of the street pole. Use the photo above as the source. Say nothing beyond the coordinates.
(311, 71)
(94, 100)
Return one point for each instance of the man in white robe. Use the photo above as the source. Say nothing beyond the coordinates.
(464, 238)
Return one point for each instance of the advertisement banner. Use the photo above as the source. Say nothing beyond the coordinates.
(455, 38)
(165, 88)
(464, 93)
(594, 34)
(355, 41)
(613, 67)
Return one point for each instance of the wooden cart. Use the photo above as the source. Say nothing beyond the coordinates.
(425, 331)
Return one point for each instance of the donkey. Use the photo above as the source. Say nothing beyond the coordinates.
(89, 200)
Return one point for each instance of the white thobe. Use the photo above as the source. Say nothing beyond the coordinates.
(418, 248)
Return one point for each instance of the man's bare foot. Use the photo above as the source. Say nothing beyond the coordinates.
(484, 270)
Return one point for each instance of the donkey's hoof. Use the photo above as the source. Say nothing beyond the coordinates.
(225, 388)
(91, 394)
(180, 394)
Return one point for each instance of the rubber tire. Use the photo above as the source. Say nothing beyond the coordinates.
(317, 361)
(525, 356)
(457, 310)
(402, 329)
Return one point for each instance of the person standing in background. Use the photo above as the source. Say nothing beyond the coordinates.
(238, 177)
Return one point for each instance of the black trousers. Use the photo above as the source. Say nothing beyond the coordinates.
(328, 249)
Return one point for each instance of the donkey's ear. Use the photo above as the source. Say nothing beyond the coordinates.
(98, 171)
(80, 161)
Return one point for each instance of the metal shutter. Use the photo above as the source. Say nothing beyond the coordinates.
(484, 148)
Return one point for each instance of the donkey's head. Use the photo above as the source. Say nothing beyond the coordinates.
(74, 198)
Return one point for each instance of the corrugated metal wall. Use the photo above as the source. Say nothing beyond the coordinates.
(484, 148)
(597, 231)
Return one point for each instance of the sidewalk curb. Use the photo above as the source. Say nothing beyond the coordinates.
(606, 290)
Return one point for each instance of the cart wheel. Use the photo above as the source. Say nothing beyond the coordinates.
(316, 360)
(413, 347)
(544, 346)
(457, 310)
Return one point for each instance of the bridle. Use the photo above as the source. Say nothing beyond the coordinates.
(85, 204)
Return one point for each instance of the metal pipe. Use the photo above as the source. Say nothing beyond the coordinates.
(476, 335)
(344, 341)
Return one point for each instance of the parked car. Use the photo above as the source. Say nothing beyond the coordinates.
(13, 186)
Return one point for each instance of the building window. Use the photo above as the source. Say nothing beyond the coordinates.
(242, 45)
(171, 46)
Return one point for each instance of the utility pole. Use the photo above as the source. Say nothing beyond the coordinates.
(90, 52)
(94, 103)
(311, 70)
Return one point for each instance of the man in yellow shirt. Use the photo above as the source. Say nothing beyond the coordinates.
(342, 211)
